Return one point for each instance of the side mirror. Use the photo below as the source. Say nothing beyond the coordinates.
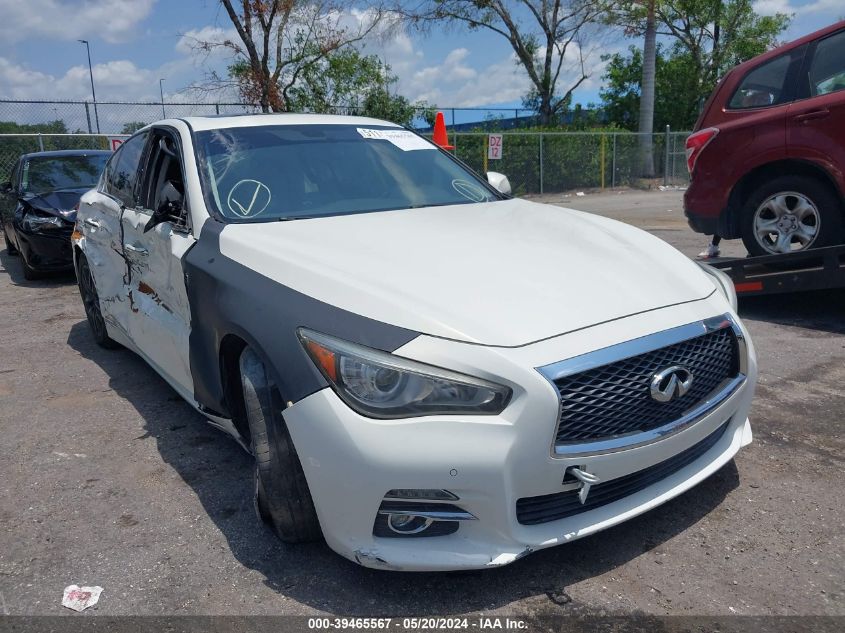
(170, 206)
(499, 182)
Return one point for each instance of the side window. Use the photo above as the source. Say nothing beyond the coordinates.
(121, 182)
(764, 86)
(164, 184)
(827, 71)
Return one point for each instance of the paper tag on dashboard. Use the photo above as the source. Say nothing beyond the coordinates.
(403, 139)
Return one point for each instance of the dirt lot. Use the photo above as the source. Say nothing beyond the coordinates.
(107, 478)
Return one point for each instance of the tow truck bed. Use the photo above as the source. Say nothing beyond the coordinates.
(815, 269)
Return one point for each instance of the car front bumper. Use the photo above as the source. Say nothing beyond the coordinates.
(490, 462)
(46, 250)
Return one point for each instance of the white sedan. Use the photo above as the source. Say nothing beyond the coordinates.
(430, 373)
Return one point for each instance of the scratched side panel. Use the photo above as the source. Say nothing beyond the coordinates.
(98, 222)
(159, 312)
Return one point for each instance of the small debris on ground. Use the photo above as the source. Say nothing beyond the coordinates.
(80, 598)
(580, 193)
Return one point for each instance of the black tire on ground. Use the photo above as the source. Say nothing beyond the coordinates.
(282, 497)
(29, 273)
(10, 250)
(88, 292)
(829, 230)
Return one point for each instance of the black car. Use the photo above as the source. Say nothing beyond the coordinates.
(38, 206)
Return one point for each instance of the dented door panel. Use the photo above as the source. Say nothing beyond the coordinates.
(101, 229)
(158, 312)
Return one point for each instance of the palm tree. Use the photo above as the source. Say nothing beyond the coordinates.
(646, 123)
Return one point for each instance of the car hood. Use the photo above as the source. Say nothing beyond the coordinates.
(504, 273)
(60, 203)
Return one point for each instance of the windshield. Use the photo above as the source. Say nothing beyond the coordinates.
(296, 171)
(40, 175)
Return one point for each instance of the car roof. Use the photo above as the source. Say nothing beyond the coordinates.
(66, 152)
(200, 123)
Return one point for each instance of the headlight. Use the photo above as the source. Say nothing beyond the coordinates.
(32, 222)
(381, 385)
(723, 283)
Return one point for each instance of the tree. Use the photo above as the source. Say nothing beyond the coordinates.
(675, 84)
(717, 34)
(353, 83)
(278, 39)
(646, 119)
(541, 33)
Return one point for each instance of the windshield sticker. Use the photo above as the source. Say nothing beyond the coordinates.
(248, 198)
(469, 190)
(403, 139)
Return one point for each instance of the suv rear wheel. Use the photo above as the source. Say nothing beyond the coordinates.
(282, 498)
(791, 213)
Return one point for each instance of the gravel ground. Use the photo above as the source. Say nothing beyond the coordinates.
(108, 478)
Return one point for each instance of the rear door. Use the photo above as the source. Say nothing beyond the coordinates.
(99, 220)
(816, 122)
(159, 316)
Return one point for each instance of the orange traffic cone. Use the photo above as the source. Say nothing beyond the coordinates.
(440, 137)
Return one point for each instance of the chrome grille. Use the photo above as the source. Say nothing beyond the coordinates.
(614, 399)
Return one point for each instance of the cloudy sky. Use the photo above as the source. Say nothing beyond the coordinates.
(136, 42)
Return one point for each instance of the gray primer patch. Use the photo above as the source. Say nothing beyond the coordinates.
(229, 298)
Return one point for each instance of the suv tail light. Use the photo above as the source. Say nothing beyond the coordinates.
(696, 143)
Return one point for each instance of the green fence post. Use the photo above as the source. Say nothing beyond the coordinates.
(666, 160)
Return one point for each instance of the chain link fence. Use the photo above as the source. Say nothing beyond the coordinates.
(535, 162)
(554, 162)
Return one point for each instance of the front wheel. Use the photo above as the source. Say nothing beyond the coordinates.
(282, 497)
(791, 213)
(88, 292)
(10, 250)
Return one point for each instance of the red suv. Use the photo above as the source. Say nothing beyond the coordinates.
(767, 155)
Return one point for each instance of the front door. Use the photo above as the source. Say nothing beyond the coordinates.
(159, 314)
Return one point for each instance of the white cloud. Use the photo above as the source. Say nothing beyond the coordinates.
(112, 20)
(822, 7)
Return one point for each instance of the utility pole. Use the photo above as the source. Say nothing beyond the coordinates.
(161, 91)
(91, 74)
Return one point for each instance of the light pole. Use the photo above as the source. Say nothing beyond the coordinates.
(91, 74)
(161, 91)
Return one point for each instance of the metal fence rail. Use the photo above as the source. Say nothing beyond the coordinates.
(110, 117)
(535, 162)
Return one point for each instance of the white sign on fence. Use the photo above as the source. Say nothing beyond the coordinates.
(494, 146)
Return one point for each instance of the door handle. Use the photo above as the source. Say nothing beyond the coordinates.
(138, 250)
(92, 223)
(809, 116)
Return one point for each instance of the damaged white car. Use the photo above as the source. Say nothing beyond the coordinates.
(430, 374)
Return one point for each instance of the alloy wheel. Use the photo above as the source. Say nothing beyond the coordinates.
(786, 221)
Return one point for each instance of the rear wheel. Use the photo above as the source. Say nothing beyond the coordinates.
(88, 292)
(282, 497)
(791, 213)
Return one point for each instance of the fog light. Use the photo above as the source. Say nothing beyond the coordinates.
(407, 523)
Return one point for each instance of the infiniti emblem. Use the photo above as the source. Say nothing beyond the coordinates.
(670, 383)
